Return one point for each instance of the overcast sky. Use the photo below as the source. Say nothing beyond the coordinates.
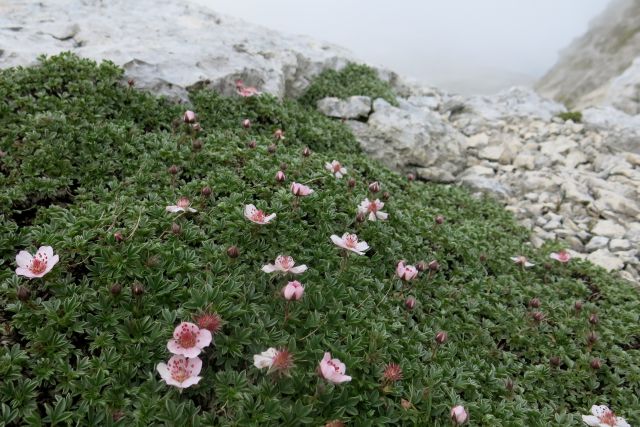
(471, 46)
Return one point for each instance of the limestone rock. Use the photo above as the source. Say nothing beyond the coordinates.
(606, 260)
(608, 228)
(351, 108)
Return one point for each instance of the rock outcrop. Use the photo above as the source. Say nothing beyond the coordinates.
(165, 46)
(603, 66)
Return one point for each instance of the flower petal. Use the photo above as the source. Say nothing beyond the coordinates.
(591, 420)
(174, 347)
(163, 370)
(204, 338)
(23, 259)
(269, 268)
(299, 269)
(190, 381)
(269, 218)
(47, 251)
(196, 365)
(174, 209)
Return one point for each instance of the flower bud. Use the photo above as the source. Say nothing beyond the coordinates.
(434, 265)
(173, 169)
(137, 289)
(175, 228)
(441, 337)
(189, 117)
(246, 123)
(534, 303)
(554, 361)
(131, 82)
(206, 191)
(593, 319)
(374, 187)
(421, 266)
(118, 236)
(209, 321)
(271, 148)
(251, 144)
(508, 384)
(278, 134)
(283, 166)
(592, 338)
(23, 293)
(458, 415)
(547, 266)
(410, 303)
(233, 252)
(577, 305)
(406, 405)
(196, 127)
(360, 217)
(280, 176)
(596, 363)
(538, 316)
(306, 152)
(196, 145)
(117, 415)
(351, 183)
(439, 219)
(411, 177)
(386, 195)
(482, 257)
(116, 288)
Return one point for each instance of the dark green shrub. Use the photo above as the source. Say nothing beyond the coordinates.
(80, 351)
(352, 80)
(575, 116)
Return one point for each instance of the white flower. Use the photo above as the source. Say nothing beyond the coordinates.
(336, 169)
(183, 205)
(604, 417)
(350, 243)
(522, 260)
(372, 209)
(265, 359)
(38, 265)
(253, 214)
(284, 264)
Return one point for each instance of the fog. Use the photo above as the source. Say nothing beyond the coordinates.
(467, 46)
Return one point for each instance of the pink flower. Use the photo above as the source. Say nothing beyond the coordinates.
(522, 260)
(350, 243)
(189, 117)
(245, 91)
(372, 209)
(255, 215)
(333, 370)
(293, 291)
(336, 169)
(562, 256)
(246, 123)
(280, 176)
(300, 190)
(183, 205)
(458, 415)
(604, 417)
(38, 265)
(406, 272)
(284, 264)
(189, 340)
(180, 371)
(279, 134)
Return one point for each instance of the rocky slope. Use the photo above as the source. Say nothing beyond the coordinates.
(603, 66)
(571, 182)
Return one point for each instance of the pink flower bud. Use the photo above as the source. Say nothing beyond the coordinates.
(592, 338)
(206, 191)
(458, 415)
(441, 337)
(283, 166)
(593, 319)
(23, 293)
(280, 176)
(554, 361)
(137, 289)
(374, 187)
(534, 303)
(189, 117)
(251, 144)
(271, 148)
(538, 316)
(439, 219)
(278, 134)
(233, 252)
(386, 195)
(577, 305)
(246, 123)
(176, 229)
(410, 303)
(360, 217)
(131, 82)
(422, 266)
(596, 363)
(434, 265)
(306, 152)
(173, 169)
(351, 183)
(118, 236)
(411, 177)
(293, 291)
(196, 145)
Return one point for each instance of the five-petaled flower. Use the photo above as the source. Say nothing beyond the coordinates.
(38, 265)
(602, 416)
(284, 264)
(300, 190)
(562, 256)
(256, 215)
(372, 209)
(189, 340)
(336, 169)
(406, 272)
(180, 371)
(293, 291)
(350, 242)
(245, 91)
(333, 370)
(275, 360)
(522, 260)
(183, 205)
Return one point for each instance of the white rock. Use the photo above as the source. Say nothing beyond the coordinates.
(492, 153)
(353, 107)
(597, 242)
(617, 245)
(608, 228)
(606, 260)
(478, 140)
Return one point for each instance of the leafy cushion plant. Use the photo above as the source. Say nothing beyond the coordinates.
(87, 169)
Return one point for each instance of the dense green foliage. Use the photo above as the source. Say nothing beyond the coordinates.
(352, 80)
(86, 157)
(575, 116)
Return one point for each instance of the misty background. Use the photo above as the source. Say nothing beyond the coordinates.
(465, 46)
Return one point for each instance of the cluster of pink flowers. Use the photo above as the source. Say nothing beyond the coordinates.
(183, 368)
